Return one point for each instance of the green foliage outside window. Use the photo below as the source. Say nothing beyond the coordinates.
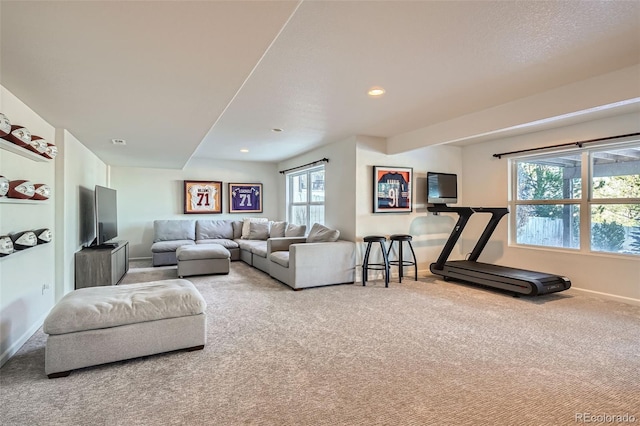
(635, 242)
(607, 236)
(612, 199)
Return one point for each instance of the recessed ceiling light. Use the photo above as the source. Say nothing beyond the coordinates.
(118, 141)
(244, 150)
(375, 92)
(276, 130)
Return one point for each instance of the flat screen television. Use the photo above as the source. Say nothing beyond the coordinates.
(106, 210)
(442, 188)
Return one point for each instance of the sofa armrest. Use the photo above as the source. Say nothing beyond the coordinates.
(282, 243)
(323, 263)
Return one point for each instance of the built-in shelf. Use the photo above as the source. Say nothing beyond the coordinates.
(7, 200)
(8, 146)
(27, 250)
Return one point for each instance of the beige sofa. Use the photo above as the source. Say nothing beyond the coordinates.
(312, 261)
(245, 240)
(315, 260)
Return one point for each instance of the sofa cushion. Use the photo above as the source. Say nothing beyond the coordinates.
(169, 246)
(237, 229)
(295, 230)
(322, 234)
(246, 224)
(258, 231)
(280, 257)
(214, 229)
(203, 251)
(228, 244)
(276, 230)
(112, 306)
(171, 230)
(258, 247)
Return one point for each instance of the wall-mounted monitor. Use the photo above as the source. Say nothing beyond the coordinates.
(442, 188)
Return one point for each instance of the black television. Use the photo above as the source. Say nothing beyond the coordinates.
(442, 188)
(106, 211)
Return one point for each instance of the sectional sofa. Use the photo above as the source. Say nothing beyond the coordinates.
(255, 241)
(244, 242)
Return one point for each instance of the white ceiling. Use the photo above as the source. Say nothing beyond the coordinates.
(179, 79)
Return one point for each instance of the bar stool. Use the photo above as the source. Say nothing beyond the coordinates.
(401, 238)
(375, 266)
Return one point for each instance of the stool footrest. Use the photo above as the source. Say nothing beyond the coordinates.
(366, 266)
(400, 262)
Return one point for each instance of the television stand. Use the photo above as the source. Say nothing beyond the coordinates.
(106, 245)
(101, 265)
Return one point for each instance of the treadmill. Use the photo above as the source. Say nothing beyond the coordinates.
(514, 280)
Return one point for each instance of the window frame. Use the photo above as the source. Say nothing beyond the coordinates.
(308, 203)
(585, 202)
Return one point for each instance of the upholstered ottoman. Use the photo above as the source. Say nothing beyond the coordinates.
(203, 259)
(97, 325)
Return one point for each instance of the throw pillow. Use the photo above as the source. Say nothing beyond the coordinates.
(277, 229)
(295, 230)
(322, 234)
(247, 221)
(258, 231)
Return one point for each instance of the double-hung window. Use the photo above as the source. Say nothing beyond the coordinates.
(586, 200)
(305, 196)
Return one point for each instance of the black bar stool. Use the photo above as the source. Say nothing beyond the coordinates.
(375, 266)
(401, 238)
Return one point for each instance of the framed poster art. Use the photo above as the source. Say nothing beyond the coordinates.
(202, 197)
(245, 198)
(392, 189)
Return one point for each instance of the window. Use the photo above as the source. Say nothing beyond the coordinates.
(305, 197)
(586, 200)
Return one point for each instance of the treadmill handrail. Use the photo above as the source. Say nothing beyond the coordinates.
(496, 215)
(464, 214)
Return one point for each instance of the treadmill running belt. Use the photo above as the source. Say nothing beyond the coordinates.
(520, 281)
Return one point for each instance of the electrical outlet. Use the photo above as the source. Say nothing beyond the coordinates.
(45, 287)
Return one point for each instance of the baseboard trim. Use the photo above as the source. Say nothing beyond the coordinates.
(11, 351)
(608, 296)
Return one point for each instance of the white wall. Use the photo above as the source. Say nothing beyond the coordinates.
(485, 183)
(429, 232)
(146, 194)
(349, 193)
(78, 171)
(618, 86)
(72, 175)
(23, 303)
(340, 184)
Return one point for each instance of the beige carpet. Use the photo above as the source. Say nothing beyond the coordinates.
(417, 353)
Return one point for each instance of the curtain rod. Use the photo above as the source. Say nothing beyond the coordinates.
(578, 144)
(324, 160)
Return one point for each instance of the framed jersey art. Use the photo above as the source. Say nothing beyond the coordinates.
(201, 197)
(245, 198)
(392, 189)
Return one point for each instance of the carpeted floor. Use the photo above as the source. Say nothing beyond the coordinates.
(417, 353)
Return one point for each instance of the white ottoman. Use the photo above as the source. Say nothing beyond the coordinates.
(97, 325)
(203, 259)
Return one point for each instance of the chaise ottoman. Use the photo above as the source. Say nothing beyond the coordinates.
(203, 259)
(97, 325)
